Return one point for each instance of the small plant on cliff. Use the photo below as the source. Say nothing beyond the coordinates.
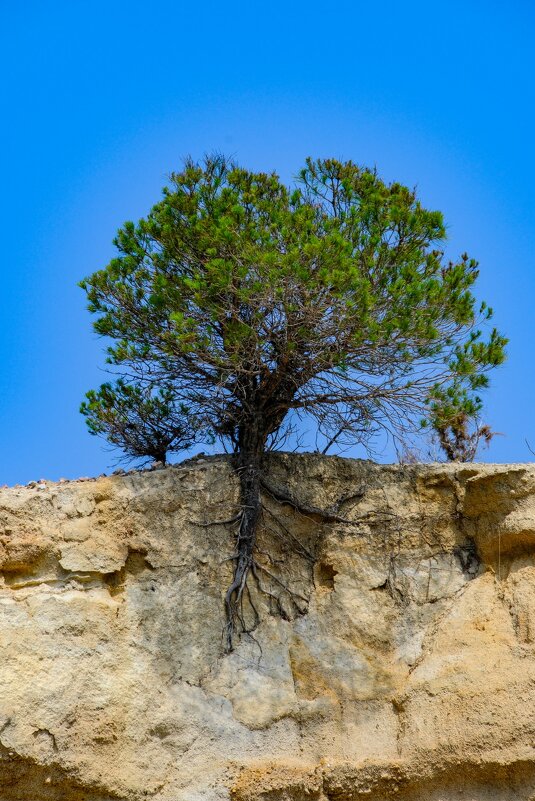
(256, 304)
(459, 433)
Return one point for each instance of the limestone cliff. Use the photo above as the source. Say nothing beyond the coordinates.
(402, 665)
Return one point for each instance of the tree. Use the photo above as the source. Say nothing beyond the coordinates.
(257, 304)
(145, 424)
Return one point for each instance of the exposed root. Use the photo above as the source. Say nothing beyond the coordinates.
(255, 569)
(228, 522)
(267, 592)
(326, 515)
(278, 581)
(284, 497)
(241, 613)
(302, 549)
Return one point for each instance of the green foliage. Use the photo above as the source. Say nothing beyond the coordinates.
(251, 301)
(141, 423)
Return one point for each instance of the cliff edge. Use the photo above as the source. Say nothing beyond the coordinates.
(394, 655)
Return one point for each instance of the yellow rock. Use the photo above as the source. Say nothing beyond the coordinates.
(403, 666)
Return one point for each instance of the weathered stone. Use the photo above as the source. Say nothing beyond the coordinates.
(405, 667)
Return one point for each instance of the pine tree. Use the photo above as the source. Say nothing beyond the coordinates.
(255, 304)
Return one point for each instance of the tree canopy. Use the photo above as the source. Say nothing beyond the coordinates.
(256, 304)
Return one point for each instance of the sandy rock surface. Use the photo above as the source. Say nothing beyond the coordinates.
(394, 655)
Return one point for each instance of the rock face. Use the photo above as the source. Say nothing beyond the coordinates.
(393, 655)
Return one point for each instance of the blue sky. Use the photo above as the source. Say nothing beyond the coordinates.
(102, 100)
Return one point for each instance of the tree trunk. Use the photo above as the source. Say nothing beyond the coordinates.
(249, 459)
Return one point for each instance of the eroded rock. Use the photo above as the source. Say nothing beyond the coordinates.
(401, 666)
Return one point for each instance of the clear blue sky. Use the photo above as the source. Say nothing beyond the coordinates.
(101, 100)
